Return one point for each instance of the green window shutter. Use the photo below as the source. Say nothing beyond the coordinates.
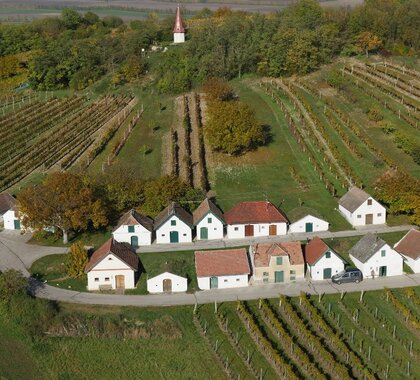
(173, 222)
(209, 220)
(279, 260)
(130, 228)
(383, 252)
(328, 255)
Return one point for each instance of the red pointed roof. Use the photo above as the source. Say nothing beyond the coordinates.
(179, 26)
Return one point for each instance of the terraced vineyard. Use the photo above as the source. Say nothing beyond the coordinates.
(42, 134)
(370, 335)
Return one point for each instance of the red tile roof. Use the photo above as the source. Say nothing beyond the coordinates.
(255, 212)
(207, 206)
(7, 202)
(314, 250)
(119, 250)
(263, 253)
(409, 245)
(179, 26)
(221, 262)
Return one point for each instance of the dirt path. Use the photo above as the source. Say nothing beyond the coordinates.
(167, 163)
(195, 142)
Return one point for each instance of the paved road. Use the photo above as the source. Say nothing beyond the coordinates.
(17, 254)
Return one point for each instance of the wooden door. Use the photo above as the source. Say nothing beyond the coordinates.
(309, 227)
(249, 230)
(382, 271)
(120, 282)
(167, 285)
(272, 230)
(204, 233)
(135, 241)
(369, 219)
(17, 224)
(279, 276)
(327, 273)
(174, 237)
(214, 282)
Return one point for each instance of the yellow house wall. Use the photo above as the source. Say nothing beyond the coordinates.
(286, 267)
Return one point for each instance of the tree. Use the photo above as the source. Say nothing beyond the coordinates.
(367, 41)
(63, 200)
(77, 260)
(12, 283)
(71, 19)
(218, 89)
(232, 128)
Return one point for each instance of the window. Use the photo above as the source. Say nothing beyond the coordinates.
(173, 222)
(130, 228)
(184, 234)
(225, 280)
(209, 220)
(238, 279)
(383, 252)
(236, 228)
(106, 278)
(379, 214)
(265, 274)
(215, 228)
(265, 279)
(96, 279)
(292, 278)
(279, 260)
(162, 235)
(292, 272)
(109, 258)
(359, 216)
(369, 202)
(328, 255)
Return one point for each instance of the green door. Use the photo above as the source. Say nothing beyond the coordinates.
(134, 241)
(174, 237)
(204, 233)
(382, 271)
(327, 273)
(279, 276)
(309, 227)
(214, 282)
(17, 224)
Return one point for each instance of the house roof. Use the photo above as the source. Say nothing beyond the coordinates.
(353, 199)
(133, 217)
(299, 213)
(255, 212)
(263, 252)
(315, 249)
(221, 262)
(409, 245)
(174, 209)
(366, 247)
(179, 26)
(117, 249)
(205, 207)
(7, 202)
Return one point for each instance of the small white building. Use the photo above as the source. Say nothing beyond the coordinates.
(173, 225)
(8, 212)
(360, 209)
(167, 283)
(208, 221)
(409, 248)
(112, 266)
(134, 228)
(179, 30)
(222, 269)
(308, 223)
(258, 218)
(321, 261)
(374, 257)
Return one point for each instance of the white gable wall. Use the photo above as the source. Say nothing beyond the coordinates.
(413, 264)
(334, 262)
(155, 284)
(163, 232)
(179, 38)
(237, 231)
(317, 224)
(122, 235)
(358, 217)
(234, 281)
(9, 218)
(214, 228)
(392, 260)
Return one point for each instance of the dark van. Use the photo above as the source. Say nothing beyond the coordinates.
(348, 275)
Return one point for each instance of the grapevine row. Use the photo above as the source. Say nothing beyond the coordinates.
(394, 74)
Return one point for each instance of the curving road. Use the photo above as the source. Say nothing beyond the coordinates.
(16, 253)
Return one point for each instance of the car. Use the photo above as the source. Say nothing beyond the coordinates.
(348, 275)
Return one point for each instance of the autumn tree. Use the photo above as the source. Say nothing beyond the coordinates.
(367, 41)
(77, 260)
(218, 89)
(63, 200)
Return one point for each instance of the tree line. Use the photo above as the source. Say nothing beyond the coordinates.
(75, 50)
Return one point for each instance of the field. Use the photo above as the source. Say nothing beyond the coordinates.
(373, 335)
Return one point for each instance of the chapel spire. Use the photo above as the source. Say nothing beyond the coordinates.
(179, 30)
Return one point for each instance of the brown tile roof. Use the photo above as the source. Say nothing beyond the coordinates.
(120, 250)
(353, 199)
(409, 245)
(174, 209)
(205, 207)
(7, 202)
(255, 212)
(315, 249)
(133, 217)
(263, 253)
(221, 262)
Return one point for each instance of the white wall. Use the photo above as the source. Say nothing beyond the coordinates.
(122, 235)
(215, 228)
(179, 38)
(300, 225)
(392, 260)
(155, 284)
(334, 262)
(376, 209)
(235, 281)
(259, 230)
(129, 275)
(9, 218)
(413, 264)
(163, 232)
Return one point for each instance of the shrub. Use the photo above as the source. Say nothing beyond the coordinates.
(77, 260)
(375, 114)
(12, 283)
